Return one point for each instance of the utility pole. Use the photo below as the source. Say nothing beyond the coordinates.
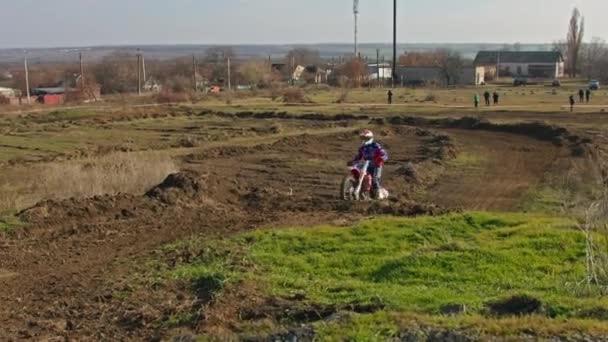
(143, 67)
(293, 70)
(194, 67)
(82, 84)
(138, 73)
(229, 75)
(497, 66)
(66, 82)
(27, 80)
(378, 63)
(394, 41)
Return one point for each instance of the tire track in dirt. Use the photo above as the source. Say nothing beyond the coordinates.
(495, 171)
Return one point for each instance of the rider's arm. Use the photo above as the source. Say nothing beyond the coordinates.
(380, 156)
(359, 156)
(381, 153)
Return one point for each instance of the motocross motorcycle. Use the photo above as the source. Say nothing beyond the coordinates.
(357, 185)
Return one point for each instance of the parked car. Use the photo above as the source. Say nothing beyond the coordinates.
(520, 81)
(594, 85)
(556, 83)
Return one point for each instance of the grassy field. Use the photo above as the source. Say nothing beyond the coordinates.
(415, 268)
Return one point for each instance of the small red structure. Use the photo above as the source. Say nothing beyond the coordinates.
(51, 99)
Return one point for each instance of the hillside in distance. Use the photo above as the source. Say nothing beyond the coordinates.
(327, 50)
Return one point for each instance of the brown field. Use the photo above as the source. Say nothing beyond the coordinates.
(92, 208)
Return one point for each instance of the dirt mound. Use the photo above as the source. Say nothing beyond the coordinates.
(410, 172)
(118, 207)
(178, 187)
(439, 148)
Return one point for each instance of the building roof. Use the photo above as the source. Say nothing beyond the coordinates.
(527, 57)
(49, 91)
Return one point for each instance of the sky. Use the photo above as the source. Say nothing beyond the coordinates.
(38, 23)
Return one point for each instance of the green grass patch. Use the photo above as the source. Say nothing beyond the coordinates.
(411, 265)
(411, 327)
(9, 221)
(468, 160)
(543, 199)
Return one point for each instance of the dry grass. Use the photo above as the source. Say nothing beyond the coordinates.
(294, 95)
(23, 186)
(169, 96)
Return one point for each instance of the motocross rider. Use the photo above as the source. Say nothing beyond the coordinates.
(371, 151)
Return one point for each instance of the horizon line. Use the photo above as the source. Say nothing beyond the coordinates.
(258, 44)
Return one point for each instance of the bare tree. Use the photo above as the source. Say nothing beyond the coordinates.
(117, 73)
(256, 72)
(574, 40)
(354, 70)
(450, 63)
(216, 62)
(593, 58)
(303, 57)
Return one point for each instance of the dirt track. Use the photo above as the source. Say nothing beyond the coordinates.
(59, 276)
(497, 171)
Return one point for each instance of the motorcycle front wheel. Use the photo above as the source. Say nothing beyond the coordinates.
(348, 189)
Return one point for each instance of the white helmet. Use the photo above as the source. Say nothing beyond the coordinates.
(367, 136)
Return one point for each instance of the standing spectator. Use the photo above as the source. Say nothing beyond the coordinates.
(486, 97)
(476, 100)
(390, 97)
(588, 95)
(581, 96)
(496, 98)
(572, 102)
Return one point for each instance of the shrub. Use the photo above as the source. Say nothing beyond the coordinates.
(294, 95)
(275, 91)
(178, 84)
(430, 97)
(595, 230)
(168, 96)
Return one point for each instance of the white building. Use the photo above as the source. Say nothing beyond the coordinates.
(8, 92)
(298, 73)
(383, 70)
(424, 76)
(534, 64)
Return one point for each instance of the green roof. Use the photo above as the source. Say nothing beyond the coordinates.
(527, 57)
